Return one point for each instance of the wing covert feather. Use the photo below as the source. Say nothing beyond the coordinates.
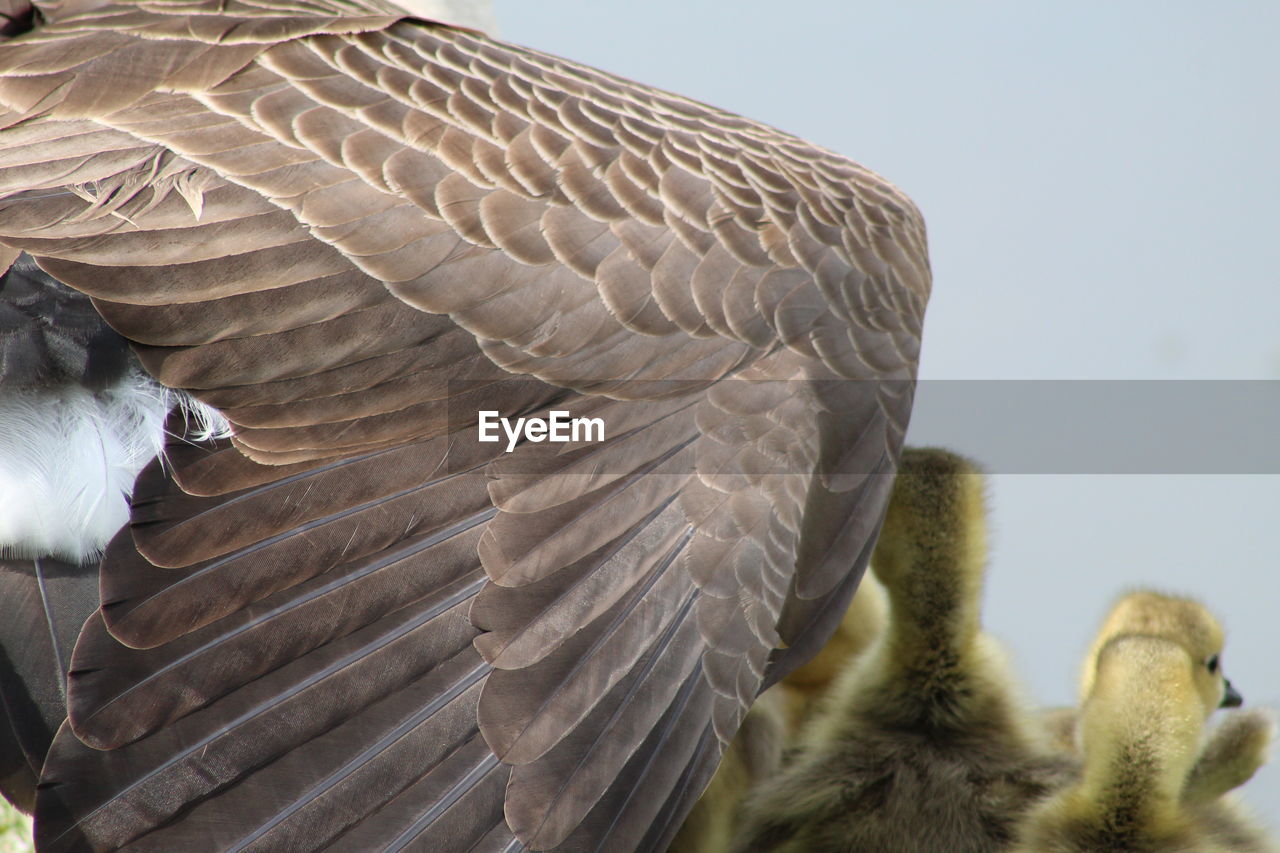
(352, 626)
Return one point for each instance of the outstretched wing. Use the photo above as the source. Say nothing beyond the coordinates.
(354, 625)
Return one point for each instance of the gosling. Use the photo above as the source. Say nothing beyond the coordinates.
(754, 755)
(804, 690)
(925, 745)
(772, 723)
(1185, 621)
(1238, 746)
(1141, 731)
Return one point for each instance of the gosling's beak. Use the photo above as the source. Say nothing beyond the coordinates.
(1231, 697)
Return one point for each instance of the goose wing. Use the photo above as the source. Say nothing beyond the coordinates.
(353, 625)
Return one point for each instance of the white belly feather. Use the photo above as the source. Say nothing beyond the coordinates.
(68, 459)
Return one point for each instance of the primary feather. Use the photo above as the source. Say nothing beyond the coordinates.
(349, 231)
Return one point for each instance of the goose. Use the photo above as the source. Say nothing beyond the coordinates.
(1141, 731)
(925, 745)
(336, 243)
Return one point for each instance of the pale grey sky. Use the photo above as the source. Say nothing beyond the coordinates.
(466, 13)
(1102, 190)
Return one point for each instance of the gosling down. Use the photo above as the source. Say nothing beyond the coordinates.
(1142, 731)
(1152, 780)
(925, 745)
(1177, 618)
(774, 721)
(1237, 747)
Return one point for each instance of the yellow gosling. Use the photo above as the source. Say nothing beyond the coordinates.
(1182, 620)
(754, 755)
(924, 745)
(774, 721)
(804, 690)
(1237, 747)
(1141, 732)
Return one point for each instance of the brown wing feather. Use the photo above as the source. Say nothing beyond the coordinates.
(344, 232)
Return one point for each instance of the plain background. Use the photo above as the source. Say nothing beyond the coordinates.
(1102, 191)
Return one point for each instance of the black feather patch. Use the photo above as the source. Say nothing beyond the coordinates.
(51, 334)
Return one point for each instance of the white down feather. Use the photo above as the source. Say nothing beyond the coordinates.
(68, 460)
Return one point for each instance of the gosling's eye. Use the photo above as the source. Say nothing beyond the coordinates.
(1212, 663)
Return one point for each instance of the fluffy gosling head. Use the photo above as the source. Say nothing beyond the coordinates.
(937, 514)
(1148, 702)
(1181, 620)
(1140, 729)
